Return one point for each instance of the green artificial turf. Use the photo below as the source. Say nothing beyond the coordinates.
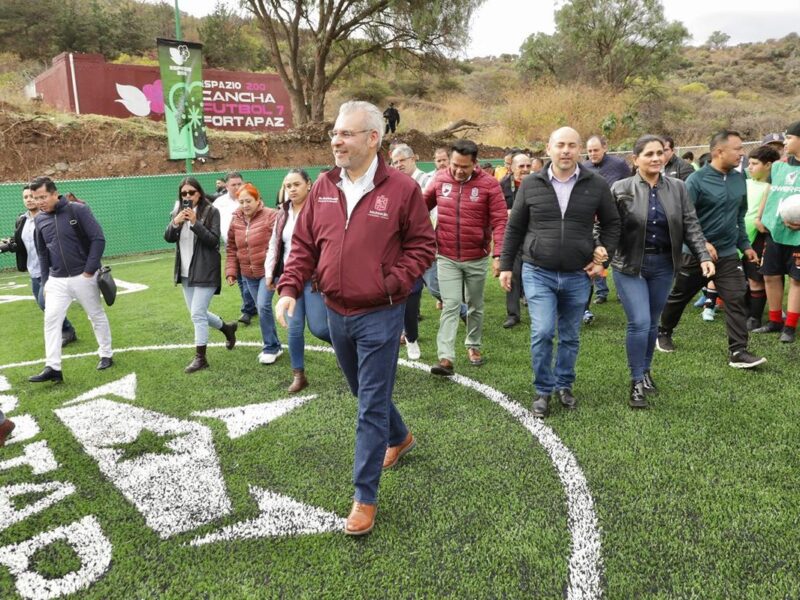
(696, 497)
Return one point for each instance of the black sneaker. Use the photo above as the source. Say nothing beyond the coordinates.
(649, 384)
(770, 327)
(664, 343)
(600, 300)
(245, 319)
(742, 359)
(638, 397)
(753, 323)
(788, 334)
(68, 338)
(567, 399)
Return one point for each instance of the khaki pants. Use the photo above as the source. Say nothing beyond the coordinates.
(455, 278)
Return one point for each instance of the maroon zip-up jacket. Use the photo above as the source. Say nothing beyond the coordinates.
(369, 261)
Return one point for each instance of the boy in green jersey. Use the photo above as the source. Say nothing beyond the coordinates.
(783, 244)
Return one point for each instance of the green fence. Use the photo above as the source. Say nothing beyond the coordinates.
(134, 211)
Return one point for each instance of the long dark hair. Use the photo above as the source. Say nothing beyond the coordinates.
(195, 184)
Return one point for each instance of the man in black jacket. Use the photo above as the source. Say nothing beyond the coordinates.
(675, 166)
(553, 219)
(70, 244)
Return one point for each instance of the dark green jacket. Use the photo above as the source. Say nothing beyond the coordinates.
(720, 200)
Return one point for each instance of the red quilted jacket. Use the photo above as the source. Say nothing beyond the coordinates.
(470, 215)
(247, 243)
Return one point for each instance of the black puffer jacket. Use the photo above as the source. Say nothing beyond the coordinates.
(633, 199)
(205, 269)
(554, 242)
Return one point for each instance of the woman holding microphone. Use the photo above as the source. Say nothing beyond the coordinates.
(658, 218)
(194, 229)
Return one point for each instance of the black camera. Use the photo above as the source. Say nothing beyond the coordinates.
(7, 245)
(186, 203)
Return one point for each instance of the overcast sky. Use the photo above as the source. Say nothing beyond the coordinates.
(500, 26)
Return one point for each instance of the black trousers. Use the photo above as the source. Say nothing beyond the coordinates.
(731, 285)
(512, 297)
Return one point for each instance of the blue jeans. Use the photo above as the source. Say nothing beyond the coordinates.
(601, 287)
(197, 301)
(643, 298)
(248, 300)
(310, 307)
(257, 288)
(38, 294)
(554, 298)
(366, 347)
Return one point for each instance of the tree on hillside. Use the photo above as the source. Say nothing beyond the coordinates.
(717, 40)
(312, 42)
(608, 41)
(225, 43)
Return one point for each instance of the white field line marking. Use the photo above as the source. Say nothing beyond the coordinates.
(175, 492)
(279, 516)
(241, 420)
(87, 540)
(123, 287)
(10, 515)
(37, 456)
(585, 563)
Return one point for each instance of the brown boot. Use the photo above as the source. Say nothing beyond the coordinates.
(229, 330)
(199, 361)
(299, 382)
(361, 519)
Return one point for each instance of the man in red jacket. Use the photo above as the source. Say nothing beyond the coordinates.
(471, 211)
(366, 232)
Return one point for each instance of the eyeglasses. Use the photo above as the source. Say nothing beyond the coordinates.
(187, 193)
(345, 133)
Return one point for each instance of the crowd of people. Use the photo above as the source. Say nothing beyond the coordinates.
(350, 255)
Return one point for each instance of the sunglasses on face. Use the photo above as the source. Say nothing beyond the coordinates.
(187, 193)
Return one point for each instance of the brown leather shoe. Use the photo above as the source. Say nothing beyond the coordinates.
(299, 382)
(475, 358)
(444, 368)
(6, 427)
(393, 453)
(361, 519)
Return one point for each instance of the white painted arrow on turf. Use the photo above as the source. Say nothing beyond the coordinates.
(124, 388)
(241, 420)
(280, 516)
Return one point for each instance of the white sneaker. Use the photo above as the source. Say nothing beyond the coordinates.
(708, 314)
(265, 358)
(413, 351)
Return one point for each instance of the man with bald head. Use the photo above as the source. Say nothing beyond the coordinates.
(520, 167)
(552, 221)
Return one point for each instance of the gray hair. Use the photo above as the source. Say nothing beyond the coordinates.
(404, 150)
(374, 116)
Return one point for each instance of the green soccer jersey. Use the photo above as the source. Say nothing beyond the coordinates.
(755, 191)
(785, 183)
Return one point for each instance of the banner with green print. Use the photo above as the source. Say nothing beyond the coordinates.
(181, 65)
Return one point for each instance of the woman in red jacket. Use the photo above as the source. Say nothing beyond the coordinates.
(248, 238)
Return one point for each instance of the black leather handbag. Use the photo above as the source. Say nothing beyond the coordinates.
(107, 285)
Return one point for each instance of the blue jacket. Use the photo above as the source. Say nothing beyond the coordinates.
(61, 251)
(720, 200)
(611, 168)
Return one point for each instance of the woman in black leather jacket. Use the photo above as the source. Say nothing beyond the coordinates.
(194, 229)
(658, 218)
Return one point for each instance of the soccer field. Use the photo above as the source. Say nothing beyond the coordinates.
(143, 482)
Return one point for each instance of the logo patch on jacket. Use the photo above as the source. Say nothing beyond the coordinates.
(379, 208)
(327, 199)
(473, 195)
(446, 189)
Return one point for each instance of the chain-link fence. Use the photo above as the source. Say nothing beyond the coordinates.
(134, 211)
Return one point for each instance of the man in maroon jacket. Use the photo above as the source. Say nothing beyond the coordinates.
(366, 232)
(471, 212)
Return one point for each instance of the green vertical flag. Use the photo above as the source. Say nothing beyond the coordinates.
(181, 65)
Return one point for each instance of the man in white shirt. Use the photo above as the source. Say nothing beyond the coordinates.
(226, 204)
